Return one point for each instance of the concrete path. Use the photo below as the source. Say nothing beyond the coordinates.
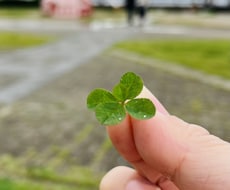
(23, 71)
(54, 120)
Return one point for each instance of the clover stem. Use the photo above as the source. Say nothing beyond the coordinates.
(123, 103)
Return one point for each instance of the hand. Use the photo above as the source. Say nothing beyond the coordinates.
(168, 154)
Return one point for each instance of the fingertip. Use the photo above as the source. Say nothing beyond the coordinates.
(117, 178)
(124, 178)
(159, 107)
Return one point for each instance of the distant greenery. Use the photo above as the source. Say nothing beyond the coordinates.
(105, 14)
(209, 56)
(19, 12)
(13, 40)
(16, 174)
(31, 13)
(10, 184)
(108, 13)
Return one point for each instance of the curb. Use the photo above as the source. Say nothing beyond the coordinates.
(181, 71)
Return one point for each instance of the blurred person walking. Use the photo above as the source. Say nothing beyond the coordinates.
(142, 6)
(130, 6)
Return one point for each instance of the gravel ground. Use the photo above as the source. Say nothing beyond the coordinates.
(54, 120)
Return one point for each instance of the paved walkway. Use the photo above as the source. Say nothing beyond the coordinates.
(23, 71)
(54, 120)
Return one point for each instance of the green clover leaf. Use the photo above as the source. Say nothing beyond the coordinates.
(98, 96)
(129, 87)
(110, 113)
(111, 107)
(140, 108)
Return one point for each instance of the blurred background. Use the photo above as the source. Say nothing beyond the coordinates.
(54, 52)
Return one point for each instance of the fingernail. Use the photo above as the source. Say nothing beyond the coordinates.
(133, 185)
(137, 185)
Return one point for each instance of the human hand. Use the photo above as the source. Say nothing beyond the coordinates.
(168, 154)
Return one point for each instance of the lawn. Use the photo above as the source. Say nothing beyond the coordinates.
(19, 13)
(17, 174)
(35, 13)
(209, 56)
(15, 40)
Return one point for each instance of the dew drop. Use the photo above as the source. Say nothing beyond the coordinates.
(145, 116)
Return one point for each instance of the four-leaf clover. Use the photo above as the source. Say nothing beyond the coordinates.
(111, 107)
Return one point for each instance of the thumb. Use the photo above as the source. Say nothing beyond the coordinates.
(124, 178)
(158, 147)
(160, 143)
(184, 153)
(156, 141)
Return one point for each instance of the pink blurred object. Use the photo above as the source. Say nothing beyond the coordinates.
(67, 9)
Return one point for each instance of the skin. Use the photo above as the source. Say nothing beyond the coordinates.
(167, 153)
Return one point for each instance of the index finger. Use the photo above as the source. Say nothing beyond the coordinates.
(122, 134)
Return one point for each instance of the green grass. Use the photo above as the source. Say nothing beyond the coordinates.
(18, 174)
(19, 13)
(10, 184)
(105, 147)
(209, 56)
(35, 13)
(105, 14)
(14, 40)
